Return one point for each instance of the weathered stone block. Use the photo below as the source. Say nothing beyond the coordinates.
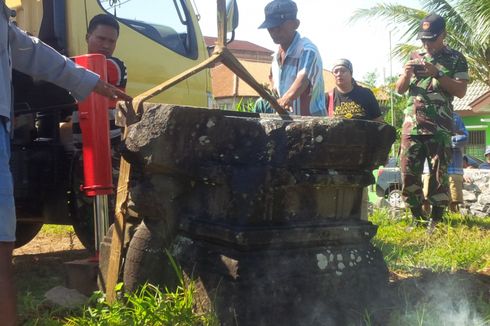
(264, 212)
(187, 138)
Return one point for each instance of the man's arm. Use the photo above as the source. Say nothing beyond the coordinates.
(403, 81)
(461, 138)
(453, 86)
(299, 85)
(33, 57)
(309, 74)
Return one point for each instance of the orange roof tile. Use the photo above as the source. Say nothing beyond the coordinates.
(226, 84)
(239, 45)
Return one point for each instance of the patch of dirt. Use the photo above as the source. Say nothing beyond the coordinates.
(39, 267)
(438, 298)
(49, 242)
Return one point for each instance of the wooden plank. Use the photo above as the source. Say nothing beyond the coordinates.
(118, 232)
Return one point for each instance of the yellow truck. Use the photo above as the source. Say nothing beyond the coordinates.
(158, 40)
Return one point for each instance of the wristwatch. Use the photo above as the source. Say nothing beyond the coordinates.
(439, 74)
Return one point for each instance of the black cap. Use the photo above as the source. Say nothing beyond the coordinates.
(431, 27)
(278, 11)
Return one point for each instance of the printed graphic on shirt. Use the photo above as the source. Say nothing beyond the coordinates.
(349, 110)
(359, 103)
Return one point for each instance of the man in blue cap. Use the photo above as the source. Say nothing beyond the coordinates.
(297, 69)
(486, 164)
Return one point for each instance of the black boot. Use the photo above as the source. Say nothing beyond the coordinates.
(418, 217)
(419, 214)
(435, 217)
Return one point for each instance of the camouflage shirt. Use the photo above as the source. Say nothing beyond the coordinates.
(429, 110)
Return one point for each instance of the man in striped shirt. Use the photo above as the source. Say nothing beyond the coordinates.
(297, 69)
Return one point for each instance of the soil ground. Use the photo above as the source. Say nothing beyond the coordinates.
(50, 242)
(38, 267)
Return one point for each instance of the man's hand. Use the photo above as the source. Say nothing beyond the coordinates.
(403, 81)
(300, 84)
(455, 87)
(105, 89)
(429, 70)
(286, 103)
(408, 70)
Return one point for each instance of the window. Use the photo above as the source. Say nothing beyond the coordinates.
(167, 22)
(476, 143)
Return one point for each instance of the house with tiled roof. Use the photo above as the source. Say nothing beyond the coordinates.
(229, 90)
(474, 108)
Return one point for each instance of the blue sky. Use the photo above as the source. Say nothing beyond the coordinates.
(365, 43)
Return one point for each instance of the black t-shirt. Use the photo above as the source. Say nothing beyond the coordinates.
(359, 103)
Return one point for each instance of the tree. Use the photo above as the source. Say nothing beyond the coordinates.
(370, 78)
(467, 24)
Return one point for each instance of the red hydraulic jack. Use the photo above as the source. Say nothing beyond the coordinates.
(97, 167)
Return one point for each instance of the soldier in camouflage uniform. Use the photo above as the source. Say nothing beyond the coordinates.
(432, 78)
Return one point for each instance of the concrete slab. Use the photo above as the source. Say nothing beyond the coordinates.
(81, 275)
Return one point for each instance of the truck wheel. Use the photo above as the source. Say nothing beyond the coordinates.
(147, 261)
(83, 220)
(105, 251)
(81, 207)
(25, 232)
(395, 199)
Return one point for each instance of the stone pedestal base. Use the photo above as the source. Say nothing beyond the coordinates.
(320, 285)
(265, 213)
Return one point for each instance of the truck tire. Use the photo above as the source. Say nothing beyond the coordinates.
(83, 220)
(147, 261)
(81, 207)
(105, 251)
(25, 232)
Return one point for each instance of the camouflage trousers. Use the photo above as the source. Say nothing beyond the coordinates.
(415, 150)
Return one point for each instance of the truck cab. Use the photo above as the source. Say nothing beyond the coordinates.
(158, 39)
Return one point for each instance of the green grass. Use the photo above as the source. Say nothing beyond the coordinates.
(55, 229)
(445, 291)
(443, 286)
(460, 243)
(147, 306)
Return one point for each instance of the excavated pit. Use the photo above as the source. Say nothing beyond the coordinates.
(263, 213)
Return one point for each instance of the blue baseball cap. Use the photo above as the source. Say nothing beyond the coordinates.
(279, 11)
